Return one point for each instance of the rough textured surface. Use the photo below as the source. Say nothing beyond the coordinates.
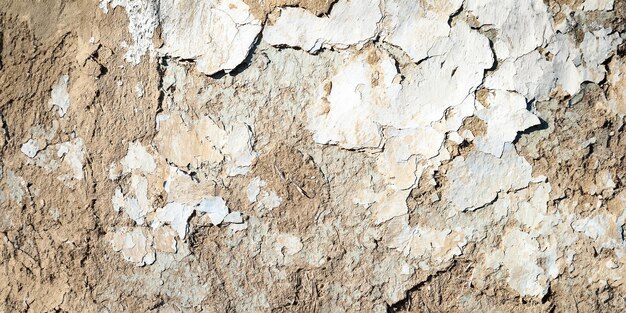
(304, 155)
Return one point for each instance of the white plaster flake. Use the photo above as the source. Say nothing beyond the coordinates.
(215, 208)
(520, 254)
(30, 148)
(505, 117)
(593, 5)
(142, 22)
(176, 215)
(217, 34)
(60, 98)
(254, 188)
(477, 179)
(417, 26)
(349, 23)
(138, 159)
(523, 25)
(135, 245)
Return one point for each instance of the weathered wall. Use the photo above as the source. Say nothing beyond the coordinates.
(304, 155)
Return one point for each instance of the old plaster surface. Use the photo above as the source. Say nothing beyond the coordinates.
(313, 156)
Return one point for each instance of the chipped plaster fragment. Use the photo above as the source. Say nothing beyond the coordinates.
(30, 148)
(346, 113)
(270, 201)
(183, 188)
(254, 188)
(188, 143)
(389, 204)
(233, 218)
(139, 206)
(16, 185)
(399, 160)
(117, 200)
(417, 26)
(287, 244)
(60, 98)
(594, 5)
(444, 82)
(227, 27)
(505, 117)
(422, 243)
(477, 179)
(135, 245)
(204, 141)
(350, 23)
(72, 154)
(233, 228)
(520, 255)
(604, 228)
(239, 151)
(138, 159)
(522, 25)
(176, 215)
(215, 208)
(142, 22)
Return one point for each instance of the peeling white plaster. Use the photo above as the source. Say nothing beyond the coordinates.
(522, 25)
(233, 218)
(72, 156)
(269, 201)
(593, 5)
(349, 23)
(138, 159)
(417, 26)
(176, 215)
(204, 141)
(227, 28)
(215, 208)
(30, 148)
(433, 245)
(60, 98)
(142, 23)
(394, 108)
(477, 179)
(520, 254)
(254, 188)
(505, 116)
(135, 245)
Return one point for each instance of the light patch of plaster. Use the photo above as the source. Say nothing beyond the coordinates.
(227, 27)
(505, 116)
(135, 244)
(215, 208)
(349, 23)
(488, 174)
(60, 98)
(142, 23)
(417, 26)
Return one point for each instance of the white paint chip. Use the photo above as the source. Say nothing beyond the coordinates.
(477, 179)
(233, 218)
(227, 28)
(30, 148)
(254, 188)
(60, 98)
(350, 22)
(176, 215)
(505, 117)
(215, 208)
